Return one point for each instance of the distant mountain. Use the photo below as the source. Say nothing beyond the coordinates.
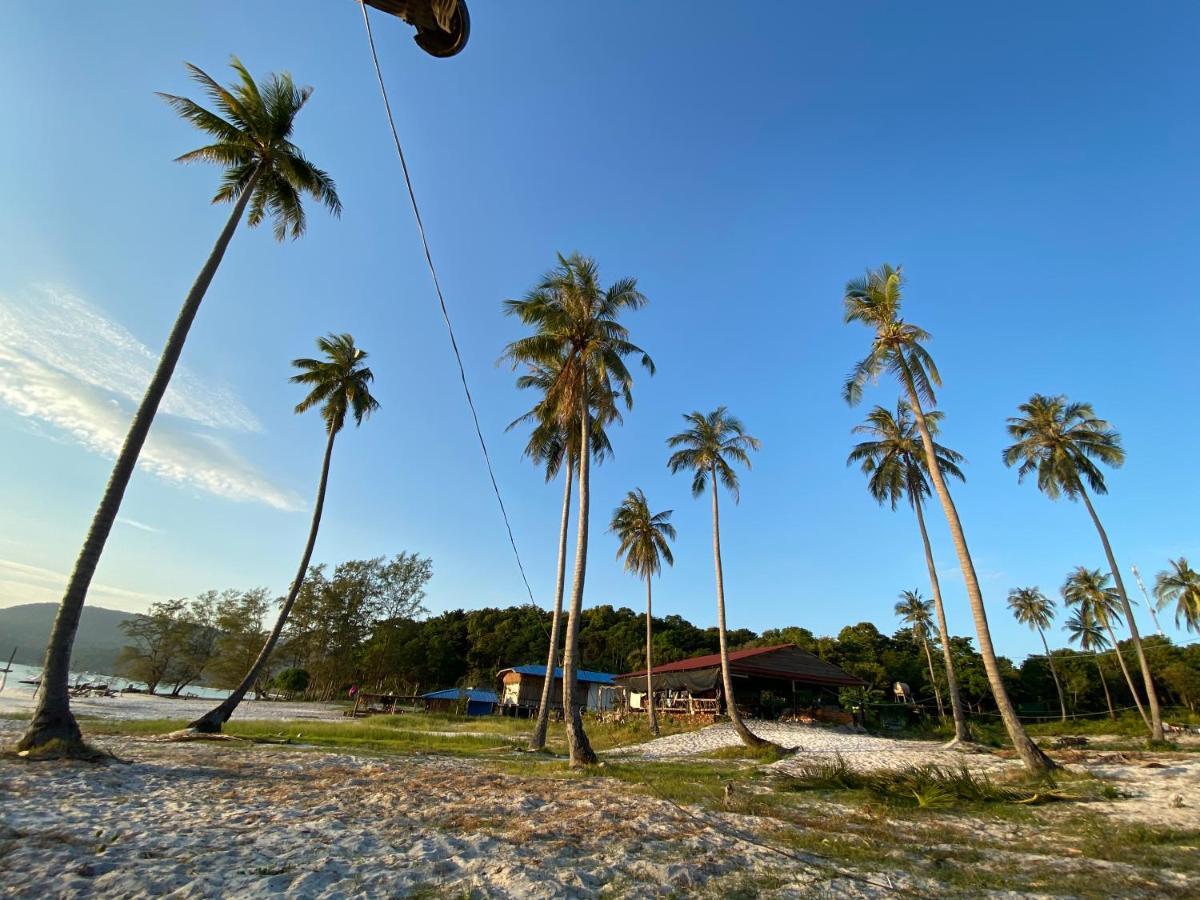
(99, 640)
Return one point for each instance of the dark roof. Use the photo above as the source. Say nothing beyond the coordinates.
(784, 661)
(462, 694)
(580, 675)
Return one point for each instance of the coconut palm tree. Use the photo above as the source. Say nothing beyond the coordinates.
(644, 537)
(265, 171)
(1062, 442)
(550, 445)
(916, 612)
(897, 349)
(1033, 608)
(1180, 585)
(706, 448)
(1084, 630)
(894, 462)
(340, 384)
(576, 328)
(1090, 589)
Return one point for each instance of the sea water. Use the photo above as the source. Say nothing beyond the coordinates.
(115, 682)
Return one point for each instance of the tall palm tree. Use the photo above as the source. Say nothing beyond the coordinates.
(1062, 442)
(643, 537)
(1084, 630)
(1033, 608)
(550, 445)
(252, 139)
(1180, 585)
(897, 349)
(706, 448)
(340, 384)
(1089, 589)
(576, 328)
(915, 612)
(894, 462)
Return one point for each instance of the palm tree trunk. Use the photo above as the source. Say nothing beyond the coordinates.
(577, 742)
(961, 732)
(937, 694)
(1062, 703)
(650, 664)
(748, 737)
(1156, 726)
(1137, 701)
(1107, 696)
(538, 740)
(212, 721)
(52, 721)
(1033, 757)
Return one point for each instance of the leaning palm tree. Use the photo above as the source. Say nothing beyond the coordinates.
(551, 445)
(643, 537)
(1033, 608)
(1084, 630)
(1062, 442)
(576, 329)
(897, 349)
(706, 448)
(894, 463)
(1089, 589)
(252, 139)
(340, 384)
(915, 612)
(1180, 585)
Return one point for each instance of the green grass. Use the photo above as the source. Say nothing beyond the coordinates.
(942, 787)
(410, 733)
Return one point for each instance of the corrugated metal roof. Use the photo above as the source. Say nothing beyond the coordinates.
(462, 694)
(784, 661)
(580, 675)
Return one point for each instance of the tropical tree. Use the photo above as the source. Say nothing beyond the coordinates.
(707, 447)
(1062, 442)
(898, 349)
(915, 612)
(1084, 630)
(264, 170)
(893, 460)
(551, 444)
(340, 385)
(575, 329)
(1089, 589)
(1033, 608)
(1180, 585)
(643, 538)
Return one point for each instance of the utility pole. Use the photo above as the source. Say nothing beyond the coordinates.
(1149, 604)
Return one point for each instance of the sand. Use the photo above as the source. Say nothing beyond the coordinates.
(248, 821)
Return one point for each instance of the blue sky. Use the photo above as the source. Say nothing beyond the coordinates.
(1034, 168)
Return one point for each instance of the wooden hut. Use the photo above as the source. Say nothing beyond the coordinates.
(521, 690)
(767, 682)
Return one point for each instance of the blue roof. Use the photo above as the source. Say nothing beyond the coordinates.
(581, 675)
(462, 694)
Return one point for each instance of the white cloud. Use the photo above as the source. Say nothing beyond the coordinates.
(22, 583)
(64, 365)
(140, 526)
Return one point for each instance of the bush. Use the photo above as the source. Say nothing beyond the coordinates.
(291, 681)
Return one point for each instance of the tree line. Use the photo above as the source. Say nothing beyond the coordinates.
(362, 625)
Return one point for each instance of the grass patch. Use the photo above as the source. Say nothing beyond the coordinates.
(767, 753)
(942, 787)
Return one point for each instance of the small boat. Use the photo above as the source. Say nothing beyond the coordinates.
(36, 681)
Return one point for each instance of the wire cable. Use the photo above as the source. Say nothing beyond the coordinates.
(437, 285)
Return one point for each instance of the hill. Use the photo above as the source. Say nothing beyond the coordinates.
(99, 640)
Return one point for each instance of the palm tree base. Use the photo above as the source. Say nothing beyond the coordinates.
(210, 723)
(51, 736)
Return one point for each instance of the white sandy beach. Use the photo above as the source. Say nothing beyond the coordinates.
(246, 820)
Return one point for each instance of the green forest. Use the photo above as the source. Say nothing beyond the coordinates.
(363, 623)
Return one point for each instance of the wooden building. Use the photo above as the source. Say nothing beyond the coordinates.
(767, 682)
(521, 690)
